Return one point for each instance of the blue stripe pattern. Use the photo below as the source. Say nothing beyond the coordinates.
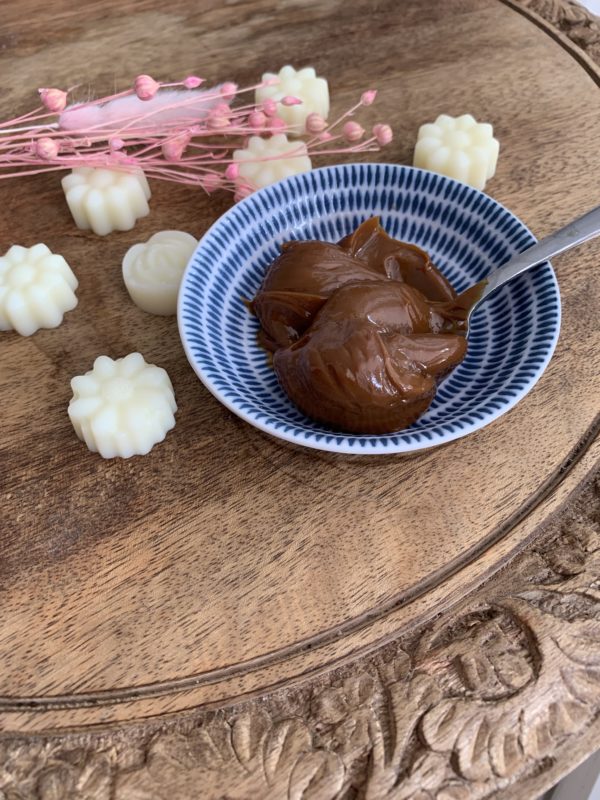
(466, 233)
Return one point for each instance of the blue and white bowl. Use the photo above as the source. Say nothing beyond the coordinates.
(466, 233)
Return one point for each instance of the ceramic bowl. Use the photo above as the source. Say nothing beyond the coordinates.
(466, 233)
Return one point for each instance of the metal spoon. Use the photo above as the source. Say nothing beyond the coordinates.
(572, 235)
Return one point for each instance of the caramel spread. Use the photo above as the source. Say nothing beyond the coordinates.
(361, 331)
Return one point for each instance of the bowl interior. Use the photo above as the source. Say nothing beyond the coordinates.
(466, 233)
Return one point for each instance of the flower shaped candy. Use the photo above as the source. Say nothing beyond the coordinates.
(152, 270)
(265, 161)
(303, 84)
(122, 407)
(459, 147)
(36, 288)
(106, 200)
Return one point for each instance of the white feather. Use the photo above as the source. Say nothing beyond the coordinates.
(167, 106)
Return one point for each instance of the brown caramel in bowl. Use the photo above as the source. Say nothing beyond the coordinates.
(361, 331)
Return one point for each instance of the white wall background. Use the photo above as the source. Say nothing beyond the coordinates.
(593, 5)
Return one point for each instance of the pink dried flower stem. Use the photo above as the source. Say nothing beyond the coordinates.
(128, 121)
(37, 113)
(166, 144)
(349, 113)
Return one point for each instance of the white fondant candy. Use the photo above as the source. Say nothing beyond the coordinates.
(37, 287)
(303, 84)
(152, 270)
(106, 200)
(459, 147)
(266, 160)
(122, 407)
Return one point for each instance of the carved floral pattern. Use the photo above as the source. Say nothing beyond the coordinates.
(572, 19)
(460, 710)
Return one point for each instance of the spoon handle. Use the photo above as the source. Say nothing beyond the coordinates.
(573, 234)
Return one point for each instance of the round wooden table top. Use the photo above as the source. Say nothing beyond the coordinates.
(234, 617)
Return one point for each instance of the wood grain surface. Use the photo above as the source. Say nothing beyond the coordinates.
(227, 563)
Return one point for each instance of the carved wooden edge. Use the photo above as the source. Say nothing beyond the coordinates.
(481, 702)
(497, 698)
(572, 25)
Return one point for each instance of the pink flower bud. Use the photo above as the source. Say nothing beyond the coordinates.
(232, 172)
(243, 190)
(353, 132)
(256, 120)
(269, 107)
(55, 100)
(315, 123)
(228, 90)
(368, 98)
(288, 100)
(276, 124)
(173, 149)
(222, 110)
(116, 143)
(325, 136)
(47, 148)
(383, 134)
(211, 182)
(192, 82)
(145, 87)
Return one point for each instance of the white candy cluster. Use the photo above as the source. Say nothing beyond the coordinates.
(152, 270)
(122, 407)
(459, 147)
(265, 161)
(37, 287)
(106, 200)
(303, 84)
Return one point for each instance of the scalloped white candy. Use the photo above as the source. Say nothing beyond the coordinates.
(106, 200)
(267, 160)
(122, 407)
(37, 287)
(303, 84)
(152, 270)
(459, 147)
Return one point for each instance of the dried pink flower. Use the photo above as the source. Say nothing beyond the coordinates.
(192, 82)
(276, 124)
(121, 157)
(353, 132)
(242, 190)
(55, 100)
(145, 87)
(368, 98)
(47, 148)
(383, 134)
(288, 100)
(211, 182)
(315, 123)
(222, 110)
(229, 90)
(269, 107)
(174, 148)
(257, 120)
(187, 137)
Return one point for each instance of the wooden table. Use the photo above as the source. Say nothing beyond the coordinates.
(230, 617)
